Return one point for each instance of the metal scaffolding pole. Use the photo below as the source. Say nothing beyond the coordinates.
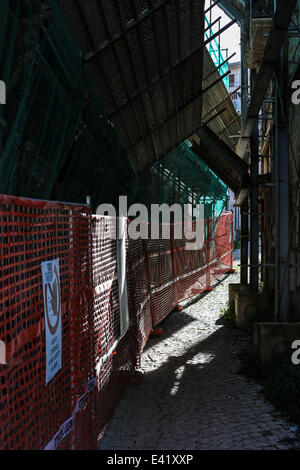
(245, 206)
(254, 217)
(244, 78)
(281, 21)
(282, 191)
(244, 241)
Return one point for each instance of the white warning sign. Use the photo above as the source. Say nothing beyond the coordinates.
(121, 263)
(52, 307)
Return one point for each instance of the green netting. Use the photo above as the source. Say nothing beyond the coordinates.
(183, 178)
(56, 141)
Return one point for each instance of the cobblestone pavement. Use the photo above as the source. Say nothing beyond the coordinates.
(191, 396)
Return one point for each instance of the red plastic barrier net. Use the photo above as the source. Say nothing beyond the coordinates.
(32, 232)
(168, 271)
(116, 355)
(72, 410)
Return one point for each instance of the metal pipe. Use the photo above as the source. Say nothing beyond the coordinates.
(219, 66)
(244, 79)
(282, 192)
(244, 242)
(173, 70)
(92, 54)
(212, 6)
(212, 24)
(179, 110)
(215, 116)
(218, 33)
(269, 265)
(254, 217)
(262, 253)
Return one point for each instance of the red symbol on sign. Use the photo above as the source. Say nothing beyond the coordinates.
(55, 302)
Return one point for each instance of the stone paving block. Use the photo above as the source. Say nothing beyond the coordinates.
(211, 405)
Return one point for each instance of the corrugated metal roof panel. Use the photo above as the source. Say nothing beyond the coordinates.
(222, 160)
(135, 49)
(227, 126)
(147, 60)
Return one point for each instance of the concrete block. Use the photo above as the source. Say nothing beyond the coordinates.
(245, 309)
(273, 339)
(233, 289)
(251, 307)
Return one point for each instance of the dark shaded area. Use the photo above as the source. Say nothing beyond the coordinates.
(280, 379)
(147, 60)
(56, 140)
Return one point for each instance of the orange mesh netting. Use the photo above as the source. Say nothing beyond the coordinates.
(165, 272)
(31, 232)
(72, 410)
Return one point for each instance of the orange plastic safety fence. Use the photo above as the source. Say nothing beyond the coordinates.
(167, 271)
(32, 232)
(115, 357)
(72, 410)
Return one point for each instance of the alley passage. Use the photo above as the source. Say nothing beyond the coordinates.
(192, 396)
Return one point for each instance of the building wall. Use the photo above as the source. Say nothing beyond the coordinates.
(236, 215)
(234, 83)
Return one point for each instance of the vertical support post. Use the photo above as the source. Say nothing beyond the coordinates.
(254, 217)
(174, 273)
(232, 242)
(262, 245)
(148, 276)
(244, 241)
(207, 253)
(244, 229)
(219, 52)
(282, 191)
(89, 201)
(244, 77)
(193, 204)
(210, 30)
